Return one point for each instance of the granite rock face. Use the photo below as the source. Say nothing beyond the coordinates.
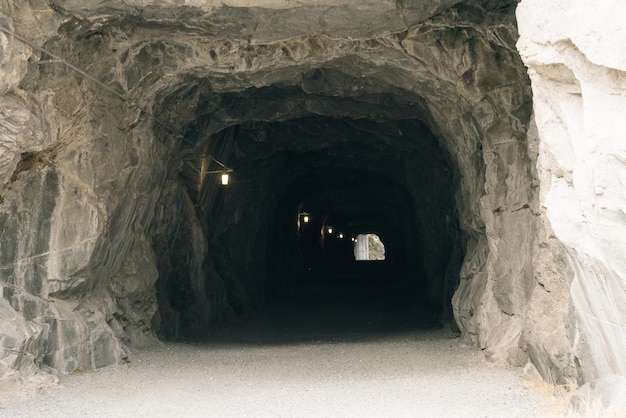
(113, 234)
(606, 394)
(578, 77)
(23, 343)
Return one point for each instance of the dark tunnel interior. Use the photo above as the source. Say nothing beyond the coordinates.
(383, 174)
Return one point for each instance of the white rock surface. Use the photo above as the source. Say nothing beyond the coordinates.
(605, 396)
(577, 63)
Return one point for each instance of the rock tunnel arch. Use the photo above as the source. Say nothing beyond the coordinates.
(392, 105)
(136, 241)
(432, 116)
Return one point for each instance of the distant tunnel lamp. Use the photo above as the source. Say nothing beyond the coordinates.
(340, 235)
(303, 218)
(329, 230)
(225, 179)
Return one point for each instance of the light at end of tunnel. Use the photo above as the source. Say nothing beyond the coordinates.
(225, 179)
(340, 235)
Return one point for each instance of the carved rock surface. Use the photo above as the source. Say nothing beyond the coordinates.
(414, 117)
(606, 394)
(579, 79)
(22, 346)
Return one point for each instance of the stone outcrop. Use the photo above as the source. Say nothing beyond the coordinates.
(578, 76)
(606, 394)
(22, 344)
(113, 234)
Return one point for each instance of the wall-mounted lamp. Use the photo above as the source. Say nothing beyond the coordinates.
(353, 239)
(303, 218)
(204, 170)
(224, 175)
(329, 230)
(340, 235)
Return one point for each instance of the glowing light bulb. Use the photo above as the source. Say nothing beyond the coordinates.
(305, 219)
(225, 179)
(330, 230)
(340, 235)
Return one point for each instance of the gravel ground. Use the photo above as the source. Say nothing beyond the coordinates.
(262, 370)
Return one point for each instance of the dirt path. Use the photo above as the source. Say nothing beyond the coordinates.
(261, 373)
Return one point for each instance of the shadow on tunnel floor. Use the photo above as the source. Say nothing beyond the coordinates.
(335, 308)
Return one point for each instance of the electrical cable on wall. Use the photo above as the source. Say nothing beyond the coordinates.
(59, 60)
(92, 285)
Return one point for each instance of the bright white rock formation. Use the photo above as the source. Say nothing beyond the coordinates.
(576, 57)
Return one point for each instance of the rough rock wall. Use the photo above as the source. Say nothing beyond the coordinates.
(576, 58)
(83, 197)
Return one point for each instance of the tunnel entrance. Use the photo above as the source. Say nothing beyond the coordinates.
(418, 136)
(303, 193)
(409, 121)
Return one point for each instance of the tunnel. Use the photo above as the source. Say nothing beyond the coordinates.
(417, 134)
(172, 170)
(373, 168)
